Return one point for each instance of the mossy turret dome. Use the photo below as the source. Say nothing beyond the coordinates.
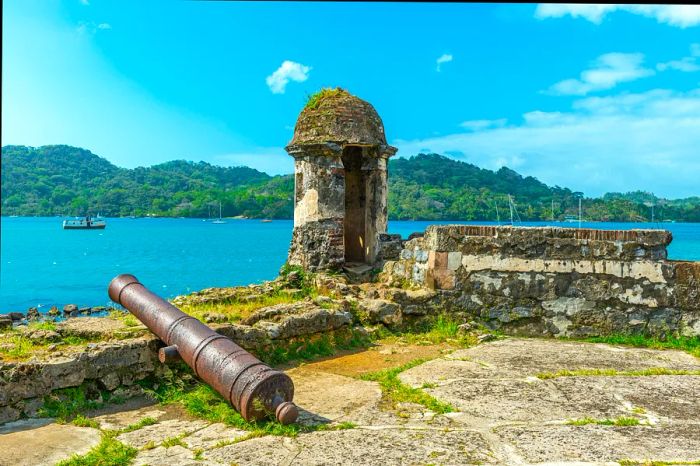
(335, 115)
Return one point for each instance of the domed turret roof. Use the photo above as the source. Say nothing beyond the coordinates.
(335, 115)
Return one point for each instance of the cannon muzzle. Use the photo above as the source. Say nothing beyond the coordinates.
(253, 388)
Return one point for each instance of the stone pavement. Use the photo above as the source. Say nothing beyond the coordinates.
(504, 413)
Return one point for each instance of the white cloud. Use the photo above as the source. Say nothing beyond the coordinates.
(624, 142)
(607, 71)
(288, 71)
(674, 15)
(686, 64)
(478, 125)
(89, 27)
(444, 58)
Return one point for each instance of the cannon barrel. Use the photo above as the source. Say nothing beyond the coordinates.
(254, 389)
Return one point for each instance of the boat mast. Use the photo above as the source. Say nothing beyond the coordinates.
(219, 210)
(552, 210)
(498, 217)
(579, 212)
(510, 205)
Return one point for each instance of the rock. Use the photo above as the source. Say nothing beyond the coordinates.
(90, 327)
(109, 381)
(45, 335)
(485, 337)
(68, 308)
(415, 310)
(33, 314)
(320, 300)
(5, 322)
(294, 279)
(380, 310)
(8, 413)
(124, 393)
(465, 328)
(213, 317)
(54, 311)
(31, 407)
(85, 310)
(16, 316)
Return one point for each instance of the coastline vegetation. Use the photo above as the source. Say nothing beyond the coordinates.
(65, 180)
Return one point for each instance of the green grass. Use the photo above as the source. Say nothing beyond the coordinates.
(82, 421)
(315, 99)
(235, 310)
(201, 401)
(620, 421)
(398, 392)
(172, 441)
(314, 347)
(66, 403)
(615, 373)
(655, 463)
(109, 452)
(689, 344)
(147, 421)
(443, 329)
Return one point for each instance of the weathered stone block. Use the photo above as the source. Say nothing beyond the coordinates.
(454, 260)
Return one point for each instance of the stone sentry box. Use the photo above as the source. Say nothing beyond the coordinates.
(340, 197)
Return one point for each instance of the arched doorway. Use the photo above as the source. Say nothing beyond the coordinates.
(355, 205)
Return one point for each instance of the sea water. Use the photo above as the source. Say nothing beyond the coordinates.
(44, 265)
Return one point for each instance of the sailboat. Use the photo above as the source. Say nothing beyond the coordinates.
(219, 221)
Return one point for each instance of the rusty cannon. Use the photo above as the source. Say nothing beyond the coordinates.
(254, 389)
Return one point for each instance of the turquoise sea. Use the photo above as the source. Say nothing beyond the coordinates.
(44, 265)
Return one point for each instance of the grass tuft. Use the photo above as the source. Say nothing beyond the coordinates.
(147, 421)
(314, 99)
(689, 344)
(109, 452)
(620, 421)
(172, 441)
(443, 329)
(82, 421)
(615, 373)
(398, 392)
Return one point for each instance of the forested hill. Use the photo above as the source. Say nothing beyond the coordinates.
(64, 180)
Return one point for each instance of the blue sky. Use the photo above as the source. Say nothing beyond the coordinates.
(595, 98)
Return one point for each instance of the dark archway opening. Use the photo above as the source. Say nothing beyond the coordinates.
(355, 205)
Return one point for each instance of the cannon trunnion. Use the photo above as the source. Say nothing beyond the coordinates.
(253, 388)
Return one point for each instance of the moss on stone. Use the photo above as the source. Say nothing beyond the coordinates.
(315, 99)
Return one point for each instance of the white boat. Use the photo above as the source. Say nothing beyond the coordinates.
(219, 221)
(85, 223)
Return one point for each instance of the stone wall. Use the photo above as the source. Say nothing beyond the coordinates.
(555, 281)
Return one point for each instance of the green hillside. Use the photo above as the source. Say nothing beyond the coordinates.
(65, 180)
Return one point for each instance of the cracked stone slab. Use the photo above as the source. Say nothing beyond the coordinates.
(332, 397)
(670, 397)
(161, 456)
(596, 443)
(46, 445)
(528, 401)
(212, 435)
(391, 446)
(156, 433)
(262, 451)
(524, 357)
(122, 419)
